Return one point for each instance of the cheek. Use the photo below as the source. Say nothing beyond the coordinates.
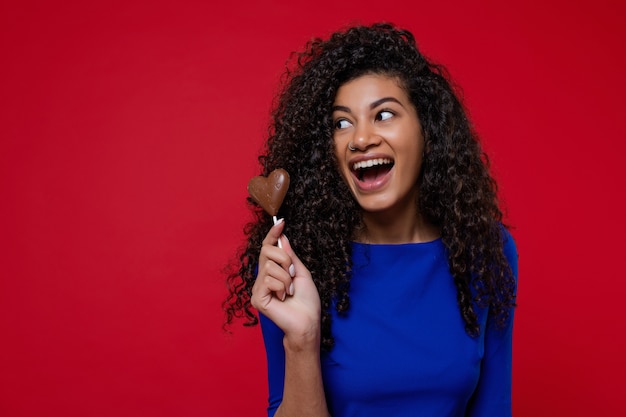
(336, 150)
(343, 171)
(339, 146)
(415, 149)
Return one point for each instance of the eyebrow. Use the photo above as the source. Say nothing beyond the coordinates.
(372, 106)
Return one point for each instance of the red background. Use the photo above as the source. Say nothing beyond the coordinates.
(129, 131)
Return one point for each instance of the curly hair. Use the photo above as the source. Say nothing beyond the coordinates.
(456, 192)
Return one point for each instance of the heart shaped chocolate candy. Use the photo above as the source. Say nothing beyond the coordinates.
(270, 192)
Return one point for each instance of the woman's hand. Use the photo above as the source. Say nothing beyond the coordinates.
(285, 292)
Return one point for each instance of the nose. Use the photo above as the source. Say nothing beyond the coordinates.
(365, 136)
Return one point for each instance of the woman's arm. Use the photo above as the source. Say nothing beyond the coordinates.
(285, 294)
(303, 393)
(492, 396)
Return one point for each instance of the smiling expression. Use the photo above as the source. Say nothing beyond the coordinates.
(373, 115)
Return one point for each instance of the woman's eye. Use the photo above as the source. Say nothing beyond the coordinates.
(384, 115)
(342, 124)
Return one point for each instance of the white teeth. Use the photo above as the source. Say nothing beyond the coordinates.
(370, 163)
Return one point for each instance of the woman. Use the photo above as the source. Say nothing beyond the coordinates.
(394, 293)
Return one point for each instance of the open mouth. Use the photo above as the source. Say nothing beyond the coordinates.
(372, 169)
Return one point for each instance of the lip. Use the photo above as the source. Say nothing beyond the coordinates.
(371, 186)
(367, 157)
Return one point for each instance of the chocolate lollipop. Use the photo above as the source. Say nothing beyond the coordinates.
(270, 192)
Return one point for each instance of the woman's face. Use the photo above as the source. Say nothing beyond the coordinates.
(373, 115)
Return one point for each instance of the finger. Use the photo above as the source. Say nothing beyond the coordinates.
(297, 268)
(266, 288)
(262, 296)
(277, 273)
(272, 236)
(275, 286)
(270, 253)
(297, 264)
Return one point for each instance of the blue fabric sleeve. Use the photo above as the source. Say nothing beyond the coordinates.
(492, 396)
(273, 338)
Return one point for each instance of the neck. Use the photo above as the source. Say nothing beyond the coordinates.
(394, 228)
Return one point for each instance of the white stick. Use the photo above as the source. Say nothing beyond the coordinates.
(280, 245)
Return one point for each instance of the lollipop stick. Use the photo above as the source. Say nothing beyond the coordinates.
(275, 219)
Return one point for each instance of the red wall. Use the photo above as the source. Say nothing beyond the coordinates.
(129, 131)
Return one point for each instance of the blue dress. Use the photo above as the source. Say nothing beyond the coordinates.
(402, 349)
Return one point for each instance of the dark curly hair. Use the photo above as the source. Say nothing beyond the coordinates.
(456, 192)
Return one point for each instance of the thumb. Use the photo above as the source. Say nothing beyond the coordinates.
(274, 234)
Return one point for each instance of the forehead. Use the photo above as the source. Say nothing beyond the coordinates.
(369, 88)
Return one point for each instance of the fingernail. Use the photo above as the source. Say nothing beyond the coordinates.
(291, 289)
(292, 270)
(284, 296)
(279, 221)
